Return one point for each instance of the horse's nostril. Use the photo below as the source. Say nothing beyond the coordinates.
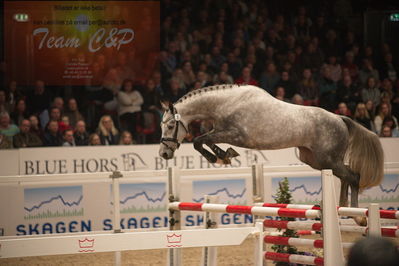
(164, 155)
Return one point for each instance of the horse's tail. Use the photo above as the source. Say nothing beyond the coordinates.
(365, 154)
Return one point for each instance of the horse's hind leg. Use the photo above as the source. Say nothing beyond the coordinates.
(343, 196)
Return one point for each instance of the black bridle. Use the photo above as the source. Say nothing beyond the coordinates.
(178, 121)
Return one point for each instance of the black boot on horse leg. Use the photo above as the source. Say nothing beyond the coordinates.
(224, 156)
(198, 145)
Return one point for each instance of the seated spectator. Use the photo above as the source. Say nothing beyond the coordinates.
(343, 110)
(6, 127)
(280, 94)
(19, 112)
(81, 136)
(387, 69)
(362, 117)
(129, 106)
(384, 111)
(68, 139)
(312, 58)
(297, 99)
(175, 92)
(188, 74)
(52, 137)
(373, 251)
(107, 131)
(126, 138)
(368, 71)
(94, 140)
(202, 77)
(335, 68)
(35, 126)
(72, 112)
(25, 138)
(4, 105)
(288, 84)
(5, 143)
(370, 109)
(223, 78)
(55, 115)
(390, 121)
(309, 88)
(14, 93)
(246, 78)
(350, 65)
(371, 92)
(269, 78)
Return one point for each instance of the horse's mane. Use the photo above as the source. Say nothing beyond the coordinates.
(204, 90)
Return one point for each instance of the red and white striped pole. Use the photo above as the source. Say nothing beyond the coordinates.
(295, 241)
(292, 258)
(253, 210)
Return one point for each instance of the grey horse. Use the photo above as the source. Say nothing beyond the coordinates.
(249, 117)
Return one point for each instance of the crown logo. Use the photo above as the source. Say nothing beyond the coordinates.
(174, 240)
(86, 245)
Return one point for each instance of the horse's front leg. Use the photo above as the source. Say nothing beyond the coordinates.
(225, 156)
(199, 146)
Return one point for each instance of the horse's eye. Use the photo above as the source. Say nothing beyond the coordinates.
(170, 126)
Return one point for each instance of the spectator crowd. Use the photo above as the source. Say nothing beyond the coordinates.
(303, 55)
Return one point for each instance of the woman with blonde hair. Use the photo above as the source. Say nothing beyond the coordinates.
(107, 131)
(384, 110)
(362, 117)
(126, 138)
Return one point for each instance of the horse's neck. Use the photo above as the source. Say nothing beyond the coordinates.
(202, 107)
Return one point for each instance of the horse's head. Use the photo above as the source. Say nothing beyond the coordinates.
(173, 131)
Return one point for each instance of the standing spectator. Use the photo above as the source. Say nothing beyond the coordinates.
(6, 127)
(367, 72)
(81, 136)
(308, 88)
(269, 78)
(52, 137)
(39, 100)
(129, 106)
(246, 77)
(4, 105)
(371, 92)
(19, 112)
(126, 138)
(94, 140)
(347, 92)
(362, 117)
(25, 138)
(14, 93)
(68, 139)
(107, 131)
(384, 111)
(328, 90)
(72, 112)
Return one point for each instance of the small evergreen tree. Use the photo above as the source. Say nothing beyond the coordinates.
(283, 195)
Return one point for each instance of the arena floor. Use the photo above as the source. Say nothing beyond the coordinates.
(227, 256)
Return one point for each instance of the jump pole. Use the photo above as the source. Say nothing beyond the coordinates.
(258, 186)
(117, 214)
(174, 254)
(333, 253)
(209, 254)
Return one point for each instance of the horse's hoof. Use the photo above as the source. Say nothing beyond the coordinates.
(362, 221)
(223, 161)
(230, 153)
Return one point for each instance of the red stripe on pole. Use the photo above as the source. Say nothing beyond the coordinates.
(388, 214)
(388, 232)
(190, 206)
(296, 213)
(317, 226)
(275, 205)
(319, 261)
(238, 209)
(277, 256)
(318, 243)
(275, 224)
(277, 240)
(304, 232)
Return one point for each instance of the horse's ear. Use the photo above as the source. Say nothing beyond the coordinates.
(165, 105)
(171, 106)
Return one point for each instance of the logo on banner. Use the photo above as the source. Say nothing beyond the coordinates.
(132, 161)
(143, 197)
(174, 240)
(86, 245)
(230, 191)
(51, 202)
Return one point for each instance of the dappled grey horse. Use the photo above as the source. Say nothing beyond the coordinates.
(249, 117)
